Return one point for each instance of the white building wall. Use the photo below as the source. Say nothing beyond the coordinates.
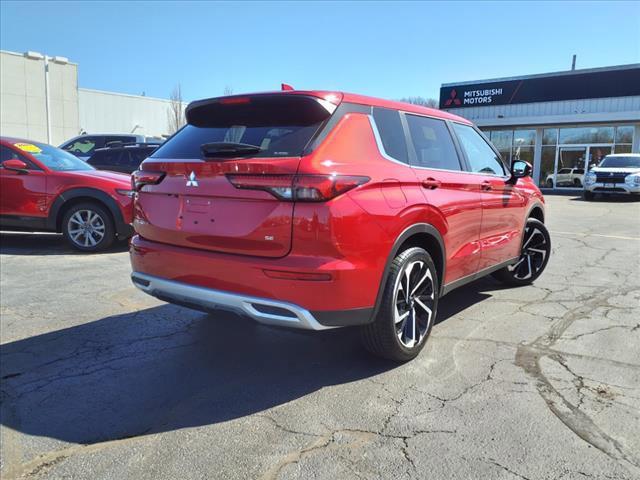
(107, 112)
(23, 110)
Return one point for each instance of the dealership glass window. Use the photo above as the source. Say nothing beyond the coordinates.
(502, 140)
(581, 135)
(624, 134)
(623, 148)
(547, 161)
(523, 153)
(524, 137)
(550, 136)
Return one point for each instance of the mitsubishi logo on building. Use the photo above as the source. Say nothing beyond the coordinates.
(454, 99)
(191, 181)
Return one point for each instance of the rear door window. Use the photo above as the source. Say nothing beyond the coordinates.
(433, 144)
(275, 125)
(108, 158)
(391, 133)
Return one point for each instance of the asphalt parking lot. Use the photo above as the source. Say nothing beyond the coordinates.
(541, 382)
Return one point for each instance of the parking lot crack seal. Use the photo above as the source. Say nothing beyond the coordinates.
(528, 357)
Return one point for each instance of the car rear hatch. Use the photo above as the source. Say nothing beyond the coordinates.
(191, 193)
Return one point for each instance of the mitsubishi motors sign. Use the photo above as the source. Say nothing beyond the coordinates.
(544, 88)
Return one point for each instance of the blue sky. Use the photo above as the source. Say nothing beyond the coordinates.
(385, 49)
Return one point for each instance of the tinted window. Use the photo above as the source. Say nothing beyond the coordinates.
(391, 133)
(107, 157)
(481, 156)
(279, 125)
(83, 146)
(433, 143)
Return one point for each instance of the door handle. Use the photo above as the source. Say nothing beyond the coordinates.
(431, 183)
(486, 186)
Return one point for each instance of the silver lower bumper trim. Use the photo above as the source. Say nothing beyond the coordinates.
(270, 312)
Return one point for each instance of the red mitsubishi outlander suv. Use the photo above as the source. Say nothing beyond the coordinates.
(43, 188)
(317, 210)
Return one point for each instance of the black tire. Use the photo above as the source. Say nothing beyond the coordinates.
(384, 337)
(531, 262)
(588, 195)
(577, 182)
(100, 221)
(549, 183)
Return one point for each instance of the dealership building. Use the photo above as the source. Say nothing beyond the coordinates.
(562, 122)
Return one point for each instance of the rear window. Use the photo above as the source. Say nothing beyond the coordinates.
(280, 125)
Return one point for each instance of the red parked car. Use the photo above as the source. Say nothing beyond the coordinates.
(316, 210)
(43, 188)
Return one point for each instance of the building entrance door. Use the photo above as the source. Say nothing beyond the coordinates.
(569, 168)
(572, 161)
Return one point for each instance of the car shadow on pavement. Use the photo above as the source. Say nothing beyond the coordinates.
(166, 368)
(18, 243)
(609, 198)
(464, 297)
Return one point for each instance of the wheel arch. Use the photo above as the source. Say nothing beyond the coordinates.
(536, 211)
(422, 235)
(67, 199)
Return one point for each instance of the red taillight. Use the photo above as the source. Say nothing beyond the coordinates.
(234, 100)
(299, 188)
(140, 178)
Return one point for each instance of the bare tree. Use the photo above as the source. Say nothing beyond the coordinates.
(176, 110)
(228, 90)
(424, 102)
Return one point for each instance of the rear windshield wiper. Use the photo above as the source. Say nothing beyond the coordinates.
(228, 149)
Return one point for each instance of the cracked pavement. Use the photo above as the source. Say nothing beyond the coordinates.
(541, 382)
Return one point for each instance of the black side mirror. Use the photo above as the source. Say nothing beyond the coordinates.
(520, 169)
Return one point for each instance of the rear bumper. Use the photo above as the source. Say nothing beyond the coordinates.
(207, 281)
(270, 312)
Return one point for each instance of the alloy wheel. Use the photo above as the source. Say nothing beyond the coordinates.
(535, 250)
(414, 301)
(86, 228)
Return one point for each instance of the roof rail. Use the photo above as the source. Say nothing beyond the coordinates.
(116, 144)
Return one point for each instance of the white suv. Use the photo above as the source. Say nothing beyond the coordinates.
(616, 173)
(566, 177)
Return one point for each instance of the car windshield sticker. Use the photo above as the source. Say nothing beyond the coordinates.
(28, 147)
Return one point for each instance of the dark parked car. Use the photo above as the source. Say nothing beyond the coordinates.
(83, 146)
(123, 158)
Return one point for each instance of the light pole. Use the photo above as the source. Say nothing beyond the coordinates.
(47, 95)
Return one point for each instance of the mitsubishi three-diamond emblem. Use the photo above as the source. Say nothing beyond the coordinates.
(192, 182)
